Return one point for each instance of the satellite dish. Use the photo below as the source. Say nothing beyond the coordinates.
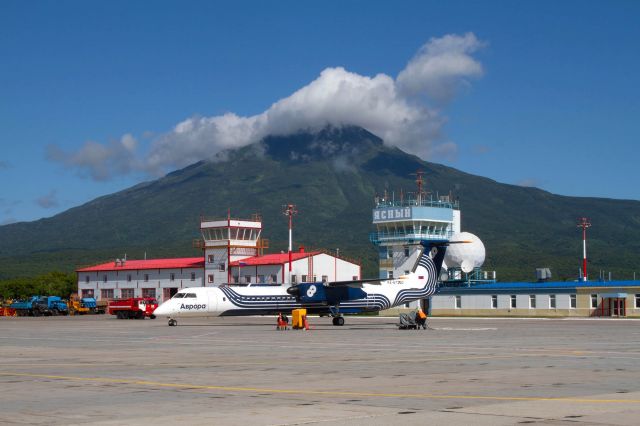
(466, 266)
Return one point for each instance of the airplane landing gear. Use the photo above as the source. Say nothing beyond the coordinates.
(339, 320)
(335, 313)
(173, 323)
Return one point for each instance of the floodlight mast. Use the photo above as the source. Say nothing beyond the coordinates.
(584, 223)
(290, 210)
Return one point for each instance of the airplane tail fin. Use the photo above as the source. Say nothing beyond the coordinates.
(431, 257)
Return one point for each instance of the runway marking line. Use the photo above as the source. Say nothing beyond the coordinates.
(318, 392)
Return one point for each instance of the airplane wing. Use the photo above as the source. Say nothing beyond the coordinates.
(354, 283)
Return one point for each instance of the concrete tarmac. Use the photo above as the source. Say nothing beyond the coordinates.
(240, 371)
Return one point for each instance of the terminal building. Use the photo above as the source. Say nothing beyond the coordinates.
(540, 299)
(233, 252)
(465, 289)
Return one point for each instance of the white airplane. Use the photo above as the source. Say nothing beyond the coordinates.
(333, 298)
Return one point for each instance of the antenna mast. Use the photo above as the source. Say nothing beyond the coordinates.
(420, 182)
(584, 223)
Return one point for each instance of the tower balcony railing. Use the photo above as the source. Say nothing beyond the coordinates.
(408, 237)
(425, 202)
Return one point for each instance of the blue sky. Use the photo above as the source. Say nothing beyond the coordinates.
(91, 92)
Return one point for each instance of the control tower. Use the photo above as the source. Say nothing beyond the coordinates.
(228, 240)
(400, 225)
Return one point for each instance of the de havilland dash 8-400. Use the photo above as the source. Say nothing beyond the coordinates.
(330, 298)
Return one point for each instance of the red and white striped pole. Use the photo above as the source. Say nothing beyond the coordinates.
(584, 223)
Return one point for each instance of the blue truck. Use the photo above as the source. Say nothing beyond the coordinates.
(37, 306)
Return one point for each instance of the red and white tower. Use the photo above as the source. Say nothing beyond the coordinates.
(584, 223)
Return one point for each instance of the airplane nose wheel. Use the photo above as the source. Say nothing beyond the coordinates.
(339, 321)
(173, 323)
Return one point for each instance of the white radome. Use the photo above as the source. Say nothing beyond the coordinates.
(465, 256)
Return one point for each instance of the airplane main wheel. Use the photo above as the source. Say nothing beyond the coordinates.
(339, 321)
(173, 323)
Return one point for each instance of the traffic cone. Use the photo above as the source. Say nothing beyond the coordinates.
(306, 323)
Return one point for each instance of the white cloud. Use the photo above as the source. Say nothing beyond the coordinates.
(441, 66)
(529, 183)
(49, 200)
(396, 110)
(100, 162)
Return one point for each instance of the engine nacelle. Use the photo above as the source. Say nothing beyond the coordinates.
(309, 292)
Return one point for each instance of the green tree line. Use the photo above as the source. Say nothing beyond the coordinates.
(49, 284)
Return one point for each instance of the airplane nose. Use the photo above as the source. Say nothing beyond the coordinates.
(164, 309)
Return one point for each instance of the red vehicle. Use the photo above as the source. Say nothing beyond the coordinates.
(134, 307)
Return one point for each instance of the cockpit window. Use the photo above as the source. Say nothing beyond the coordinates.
(178, 296)
(192, 295)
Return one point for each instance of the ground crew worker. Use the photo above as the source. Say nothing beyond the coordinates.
(421, 319)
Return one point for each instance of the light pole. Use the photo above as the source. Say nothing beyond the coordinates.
(584, 223)
(290, 210)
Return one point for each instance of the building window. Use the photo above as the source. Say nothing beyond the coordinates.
(260, 279)
(106, 293)
(149, 292)
(129, 277)
(532, 301)
(87, 292)
(390, 274)
(126, 293)
(325, 278)
(637, 301)
(458, 302)
(274, 278)
(594, 301)
(210, 258)
(104, 278)
(247, 279)
(406, 252)
(513, 301)
(573, 301)
(146, 277)
(304, 278)
(172, 276)
(210, 278)
(354, 278)
(86, 279)
(294, 279)
(315, 279)
(193, 276)
(552, 301)
(390, 253)
(494, 302)
(221, 267)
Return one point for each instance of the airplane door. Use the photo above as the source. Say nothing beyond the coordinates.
(212, 305)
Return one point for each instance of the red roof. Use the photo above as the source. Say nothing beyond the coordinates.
(273, 259)
(181, 262)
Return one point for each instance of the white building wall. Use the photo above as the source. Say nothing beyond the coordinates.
(158, 279)
(483, 301)
(456, 226)
(443, 302)
(475, 302)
